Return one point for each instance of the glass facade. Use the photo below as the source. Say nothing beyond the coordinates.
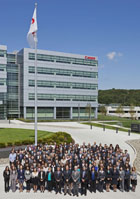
(62, 72)
(62, 59)
(54, 84)
(63, 97)
(3, 109)
(43, 113)
(62, 112)
(13, 108)
(82, 112)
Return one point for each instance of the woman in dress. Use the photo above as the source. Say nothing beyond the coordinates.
(108, 178)
(6, 175)
(115, 178)
(35, 179)
(93, 178)
(101, 179)
(134, 178)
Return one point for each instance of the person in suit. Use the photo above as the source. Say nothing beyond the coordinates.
(108, 178)
(41, 177)
(49, 179)
(101, 178)
(6, 175)
(21, 178)
(93, 178)
(58, 179)
(13, 178)
(115, 178)
(67, 180)
(27, 179)
(84, 178)
(75, 178)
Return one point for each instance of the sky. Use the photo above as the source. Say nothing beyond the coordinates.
(108, 29)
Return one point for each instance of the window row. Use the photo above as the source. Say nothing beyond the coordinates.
(62, 97)
(2, 53)
(62, 59)
(54, 84)
(2, 81)
(2, 67)
(54, 71)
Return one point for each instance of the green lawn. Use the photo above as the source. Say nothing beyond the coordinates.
(13, 135)
(126, 124)
(10, 137)
(106, 126)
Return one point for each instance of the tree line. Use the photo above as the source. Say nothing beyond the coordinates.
(119, 96)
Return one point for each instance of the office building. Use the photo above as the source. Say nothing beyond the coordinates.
(67, 84)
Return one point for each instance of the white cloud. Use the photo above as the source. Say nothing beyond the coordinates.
(111, 55)
(120, 54)
(114, 54)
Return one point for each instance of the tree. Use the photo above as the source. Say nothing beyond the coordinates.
(120, 110)
(88, 111)
(132, 111)
(103, 110)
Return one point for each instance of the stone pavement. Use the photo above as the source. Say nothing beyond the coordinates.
(81, 133)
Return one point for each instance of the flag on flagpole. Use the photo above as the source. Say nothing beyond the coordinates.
(32, 36)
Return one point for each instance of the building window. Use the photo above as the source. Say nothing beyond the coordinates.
(3, 53)
(63, 97)
(52, 84)
(62, 59)
(2, 67)
(62, 72)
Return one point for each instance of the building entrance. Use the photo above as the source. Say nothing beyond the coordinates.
(62, 112)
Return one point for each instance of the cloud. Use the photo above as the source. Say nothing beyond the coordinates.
(120, 54)
(113, 55)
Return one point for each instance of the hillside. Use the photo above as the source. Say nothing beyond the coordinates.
(121, 96)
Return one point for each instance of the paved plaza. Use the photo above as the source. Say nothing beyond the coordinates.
(81, 133)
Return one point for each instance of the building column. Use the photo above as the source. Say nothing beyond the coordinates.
(54, 113)
(96, 113)
(24, 112)
(71, 111)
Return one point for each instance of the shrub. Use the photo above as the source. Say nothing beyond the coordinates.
(2, 145)
(26, 142)
(17, 143)
(9, 144)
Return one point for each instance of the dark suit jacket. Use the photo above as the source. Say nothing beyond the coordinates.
(67, 175)
(85, 177)
(58, 177)
(43, 175)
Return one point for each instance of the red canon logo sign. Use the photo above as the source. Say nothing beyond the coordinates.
(93, 58)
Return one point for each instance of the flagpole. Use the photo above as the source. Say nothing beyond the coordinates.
(36, 85)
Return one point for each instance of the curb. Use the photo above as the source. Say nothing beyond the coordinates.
(135, 153)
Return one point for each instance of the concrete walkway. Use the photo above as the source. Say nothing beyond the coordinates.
(81, 133)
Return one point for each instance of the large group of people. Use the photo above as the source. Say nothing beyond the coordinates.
(70, 168)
